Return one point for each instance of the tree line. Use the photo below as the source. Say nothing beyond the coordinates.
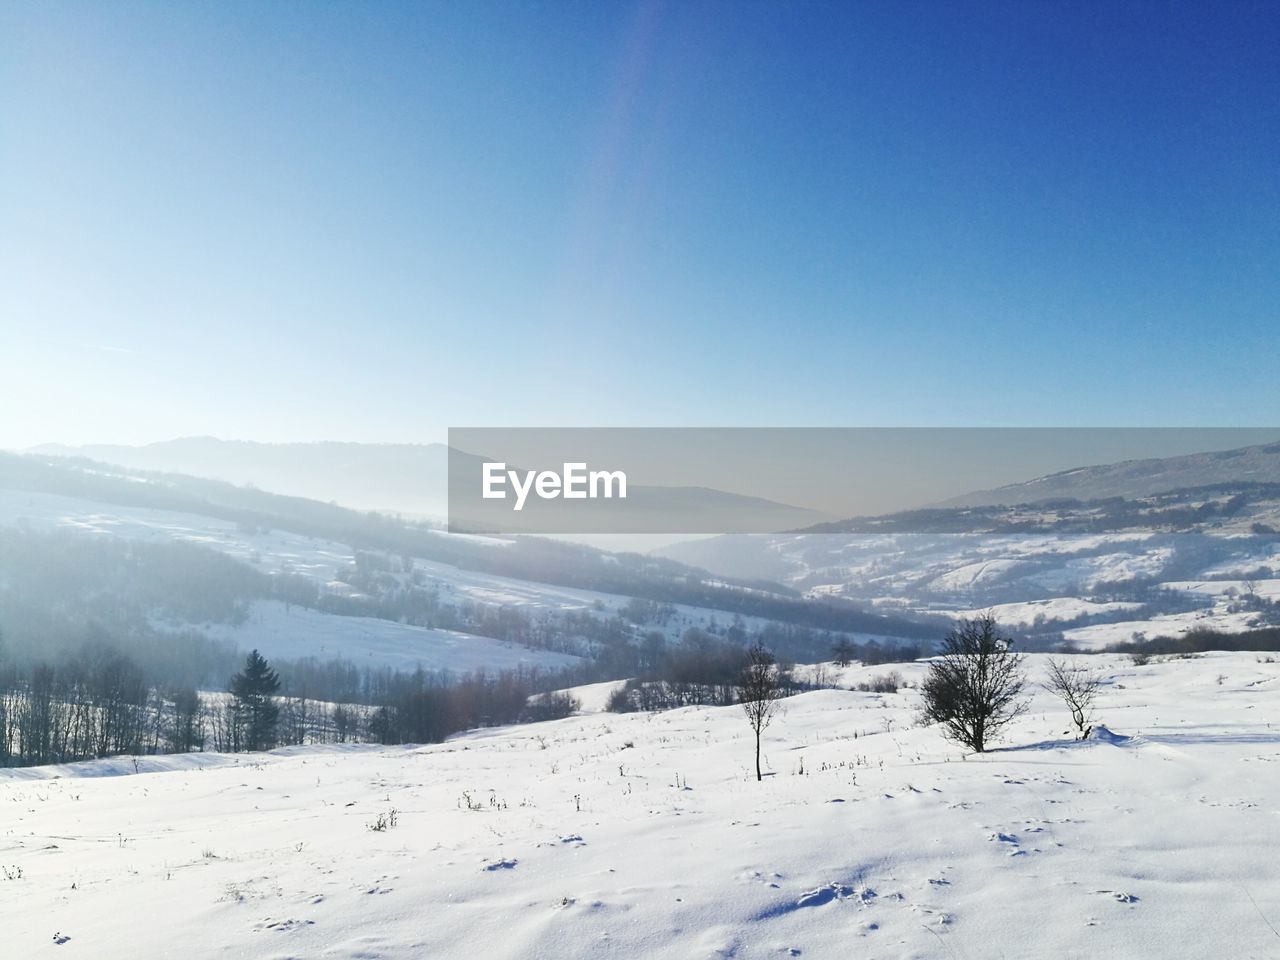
(101, 702)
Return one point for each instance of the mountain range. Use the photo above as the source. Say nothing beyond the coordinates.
(1135, 478)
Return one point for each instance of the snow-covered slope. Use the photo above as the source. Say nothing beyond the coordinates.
(295, 631)
(277, 630)
(1125, 581)
(292, 631)
(1138, 478)
(647, 836)
(272, 551)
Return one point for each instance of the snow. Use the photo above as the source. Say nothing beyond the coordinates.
(594, 697)
(272, 551)
(1248, 563)
(1101, 635)
(276, 551)
(973, 574)
(1266, 589)
(647, 836)
(277, 630)
(1058, 608)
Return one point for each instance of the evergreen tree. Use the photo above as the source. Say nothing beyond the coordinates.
(256, 710)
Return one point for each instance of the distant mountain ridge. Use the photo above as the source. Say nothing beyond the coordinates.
(406, 477)
(413, 480)
(1135, 478)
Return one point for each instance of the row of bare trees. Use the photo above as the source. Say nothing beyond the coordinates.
(102, 704)
(93, 708)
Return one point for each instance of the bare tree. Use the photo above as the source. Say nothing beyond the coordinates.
(842, 653)
(1077, 686)
(758, 692)
(975, 687)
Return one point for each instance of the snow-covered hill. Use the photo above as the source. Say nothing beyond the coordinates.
(1078, 583)
(1137, 478)
(293, 631)
(647, 836)
(279, 630)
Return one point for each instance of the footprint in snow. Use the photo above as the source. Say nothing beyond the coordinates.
(755, 876)
(835, 891)
(1118, 896)
(825, 894)
(501, 865)
(283, 925)
(941, 917)
(1011, 840)
(815, 898)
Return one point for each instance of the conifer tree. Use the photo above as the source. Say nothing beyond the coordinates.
(256, 711)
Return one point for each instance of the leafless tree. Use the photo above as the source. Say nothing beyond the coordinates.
(842, 652)
(1077, 686)
(759, 692)
(975, 687)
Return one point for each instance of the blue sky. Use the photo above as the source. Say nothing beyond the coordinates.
(375, 221)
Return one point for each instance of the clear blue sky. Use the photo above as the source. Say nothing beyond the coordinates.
(373, 221)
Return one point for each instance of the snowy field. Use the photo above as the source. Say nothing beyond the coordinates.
(1059, 608)
(647, 836)
(1099, 636)
(292, 632)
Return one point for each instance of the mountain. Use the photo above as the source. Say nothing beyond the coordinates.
(405, 477)
(1091, 573)
(231, 518)
(1135, 478)
(413, 479)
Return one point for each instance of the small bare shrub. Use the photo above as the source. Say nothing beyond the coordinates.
(882, 683)
(1077, 686)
